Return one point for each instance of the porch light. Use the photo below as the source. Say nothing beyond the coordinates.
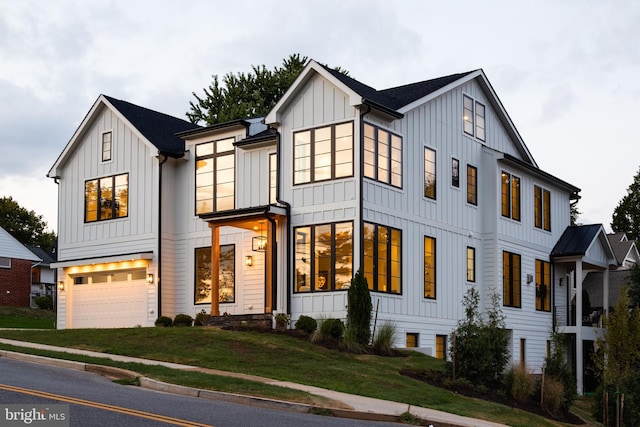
(61, 286)
(150, 278)
(248, 260)
(259, 244)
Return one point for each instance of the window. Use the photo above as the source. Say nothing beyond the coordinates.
(382, 155)
(429, 267)
(472, 185)
(429, 173)
(523, 354)
(106, 198)
(106, 146)
(510, 196)
(542, 208)
(382, 258)
(324, 257)
(273, 177)
(510, 279)
(471, 264)
(323, 153)
(412, 340)
(215, 176)
(226, 275)
(543, 285)
(473, 117)
(441, 347)
(455, 172)
(5, 262)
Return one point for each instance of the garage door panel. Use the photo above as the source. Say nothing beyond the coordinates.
(110, 305)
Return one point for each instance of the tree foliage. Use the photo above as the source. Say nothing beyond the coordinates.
(359, 309)
(25, 225)
(626, 216)
(634, 285)
(480, 349)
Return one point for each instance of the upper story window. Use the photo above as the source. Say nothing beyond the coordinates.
(106, 198)
(323, 153)
(472, 185)
(324, 257)
(455, 172)
(473, 117)
(511, 279)
(382, 258)
(106, 146)
(471, 264)
(542, 208)
(510, 196)
(429, 267)
(382, 155)
(429, 173)
(215, 176)
(273, 177)
(543, 285)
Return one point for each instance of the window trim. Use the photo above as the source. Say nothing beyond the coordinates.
(432, 173)
(542, 208)
(214, 156)
(98, 200)
(473, 118)
(373, 285)
(543, 278)
(433, 294)
(474, 193)
(510, 196)
(441, 342)
(455, 172)
(110, 151)
(511, 280)
(312, 154)
(376, 155)
(471, 273)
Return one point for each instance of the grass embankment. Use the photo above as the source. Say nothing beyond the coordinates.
(273, 356)
(24, 317)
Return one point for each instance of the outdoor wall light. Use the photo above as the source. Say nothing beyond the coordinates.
(248, 260)
(61, 286)
(259, 244)
(150, 278)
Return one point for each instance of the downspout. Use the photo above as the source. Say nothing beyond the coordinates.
(361, 184)
(274, 263)
(287, 205)
(159, 272)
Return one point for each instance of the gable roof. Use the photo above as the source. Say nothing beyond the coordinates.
(576, 240)
(622, 248)
(10, 247)
(156, 129)
(46, 257)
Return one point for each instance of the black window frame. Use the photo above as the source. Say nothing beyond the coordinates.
(475, 117)
(101, 201)
(107, 153)
(472, 201)
(543, 285)
(374, 286)
(542, 208)
(433, 194)
(377, 130)
(207, 249)
(511, 279)
(433, 293)
(214, 156)
(511, 199)
(455, 172)
(471, 272)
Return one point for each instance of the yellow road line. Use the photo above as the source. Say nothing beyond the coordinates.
(76, 401)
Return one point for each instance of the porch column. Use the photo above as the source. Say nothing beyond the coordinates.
(215, 274)
(579, 352)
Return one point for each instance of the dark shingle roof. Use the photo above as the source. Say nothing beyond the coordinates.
(620, 247)
(47, 258)
(396, 97)
(159, 128)
(575, 240)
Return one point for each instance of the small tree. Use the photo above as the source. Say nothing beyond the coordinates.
(626, 216)
(359, 309)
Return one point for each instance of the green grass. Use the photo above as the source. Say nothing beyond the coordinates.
(28, 318)
(272, 356)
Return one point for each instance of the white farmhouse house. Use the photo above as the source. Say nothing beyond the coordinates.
(428, 188)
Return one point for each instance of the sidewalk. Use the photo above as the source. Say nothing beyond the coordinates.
(359, 406)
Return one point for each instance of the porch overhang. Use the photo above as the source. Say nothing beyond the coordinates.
(241, 217)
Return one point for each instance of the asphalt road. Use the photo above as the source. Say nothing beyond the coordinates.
(95, 401)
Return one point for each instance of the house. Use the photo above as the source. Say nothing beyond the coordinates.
(43, 276)
(16, 263)
(428, 187)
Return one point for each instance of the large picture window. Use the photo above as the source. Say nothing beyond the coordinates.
(510, 196)
(324, 257)
(215, 176)
(543, 285)
(382, 258)
(429, 173)
(511, 279)
(382, 155)
(323, 153)
(542, 208)
(429, 267)
(106, 198)
(226, 275)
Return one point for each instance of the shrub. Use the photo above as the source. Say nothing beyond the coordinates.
(182, 320)
(307, 324)
(282, 321)
(385, 337)
(202, 318)
(359, 309)
(332, 328)
(164, 321)
(552, 394)
(556, 367)
(45, 302)
(520, 384)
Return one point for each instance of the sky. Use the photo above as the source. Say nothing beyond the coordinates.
(567, 72)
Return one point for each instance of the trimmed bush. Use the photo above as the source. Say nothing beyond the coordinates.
(164, 322)
(182, 320)
(45, 302)
(332, 328)
(359, 309)
(202, 318)
(307, 324)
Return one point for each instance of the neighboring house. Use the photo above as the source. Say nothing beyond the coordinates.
(428, 187)
(16, 263)
(43, 276)
(626, 250)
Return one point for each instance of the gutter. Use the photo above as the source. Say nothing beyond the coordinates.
(361, 184)
(287, 205)
(159, 272)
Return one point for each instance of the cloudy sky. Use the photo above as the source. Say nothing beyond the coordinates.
(567, 72)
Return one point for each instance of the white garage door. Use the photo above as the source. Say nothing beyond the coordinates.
(115, 304)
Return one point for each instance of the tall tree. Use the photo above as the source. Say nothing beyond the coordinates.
(25, 225)
(626, 216)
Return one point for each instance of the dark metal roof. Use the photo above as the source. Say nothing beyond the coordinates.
(575, 240)
(159, 128)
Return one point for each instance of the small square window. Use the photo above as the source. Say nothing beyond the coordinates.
(412, 340)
